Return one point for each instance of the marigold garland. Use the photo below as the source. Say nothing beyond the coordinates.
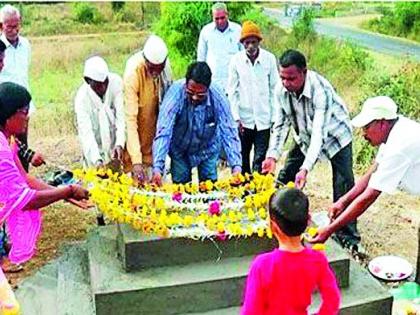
(231, 207)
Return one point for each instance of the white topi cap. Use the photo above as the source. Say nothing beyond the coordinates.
(96, 69)
(155, 50)
(375, 108)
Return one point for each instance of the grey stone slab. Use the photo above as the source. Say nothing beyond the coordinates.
(169, 290)
(37, 294)
(74, 293)
(364, 296)
(138, 251)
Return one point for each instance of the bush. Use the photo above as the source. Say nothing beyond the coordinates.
(303, 27)
(86, 13)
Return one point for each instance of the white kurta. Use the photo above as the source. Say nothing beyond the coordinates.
(100, 124)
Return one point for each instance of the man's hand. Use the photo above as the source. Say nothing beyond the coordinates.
(322, 235)
(236, 170)
(83, 204)
(138, 173)
(268, 165)
(335, 210)
(78, 193)
(300, 179)
(157, 178)
(37, 159)
(117, 153)
(240, 127)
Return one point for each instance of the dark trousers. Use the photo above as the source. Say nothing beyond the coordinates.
(260, 140)
(24, 139)
(343, 181)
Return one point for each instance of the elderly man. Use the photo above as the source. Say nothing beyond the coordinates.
(252, 78)
(218, 42)
(100, 114)
(146, 79)
(321, 124)
(397, 164)
(194, 122)
(17, 57)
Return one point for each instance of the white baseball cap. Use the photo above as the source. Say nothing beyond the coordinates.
(96, 69)
(375, 108)
(155, 50)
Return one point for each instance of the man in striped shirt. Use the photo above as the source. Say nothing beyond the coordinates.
(322, 130)
(194, 123)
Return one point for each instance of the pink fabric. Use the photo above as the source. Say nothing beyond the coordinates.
(23, 227)
(281, 282)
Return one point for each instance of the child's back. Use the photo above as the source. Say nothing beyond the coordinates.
(281, 282)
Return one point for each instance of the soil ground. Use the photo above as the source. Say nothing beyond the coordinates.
(388, 227)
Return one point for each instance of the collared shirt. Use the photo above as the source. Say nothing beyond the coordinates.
(318, 116)
(100, 123)
(16, 63)
(143, 95)
(399, 159)
(251, 89)
(216, 48)
(196, 132)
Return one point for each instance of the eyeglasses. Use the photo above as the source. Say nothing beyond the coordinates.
(220, 18)
(198, 95)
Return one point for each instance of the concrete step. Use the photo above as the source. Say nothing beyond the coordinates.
(364, 296)
(168, 290)
(138, 251)
(74, 296)
(37, 294)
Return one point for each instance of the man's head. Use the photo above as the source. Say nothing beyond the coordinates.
(220, 16)
(289, 212)
(292, 70)
(376, 119)
(96, 75)
(250, 38)
(197, 82)
(14, 108)
(10, 20)
(155, 53)
(2, 54)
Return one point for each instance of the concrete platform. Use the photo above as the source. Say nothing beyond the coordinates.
(167, 290)
(364, 296)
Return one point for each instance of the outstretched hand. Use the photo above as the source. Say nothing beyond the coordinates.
(321, 236)
(300, 179)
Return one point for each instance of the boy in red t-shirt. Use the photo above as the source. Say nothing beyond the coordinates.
(283, 280)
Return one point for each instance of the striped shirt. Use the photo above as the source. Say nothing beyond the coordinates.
(196, 132)
(319, 118)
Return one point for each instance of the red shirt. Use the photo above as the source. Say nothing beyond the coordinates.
(282, 282)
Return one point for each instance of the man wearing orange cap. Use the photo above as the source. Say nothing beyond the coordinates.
(147, 77)
(397, 165)
(252, 78)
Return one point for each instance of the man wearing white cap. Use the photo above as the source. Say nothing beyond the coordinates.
(100, 114)
(397, 164)
(147, 77)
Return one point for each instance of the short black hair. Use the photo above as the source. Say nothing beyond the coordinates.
(12, 98)
(292, 57)
(289, 208)
(199, 72)
(2, 47)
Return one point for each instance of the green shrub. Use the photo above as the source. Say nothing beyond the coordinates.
(86, 13)
(303, 27)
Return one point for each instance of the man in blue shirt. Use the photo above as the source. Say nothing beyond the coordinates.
(194, 123)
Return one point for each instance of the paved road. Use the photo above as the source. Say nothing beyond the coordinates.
(380, 43)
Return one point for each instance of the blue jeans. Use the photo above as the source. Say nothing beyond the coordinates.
(181, 169)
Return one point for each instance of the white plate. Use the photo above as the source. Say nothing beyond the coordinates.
(391, 268)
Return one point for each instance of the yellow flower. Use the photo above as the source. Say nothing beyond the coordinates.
(251, 215)
(188, 220)
(220, 227)
(209, 185)
(260, 232)
(312, 231)
(290, 185)
(318, 246)
(262, 212)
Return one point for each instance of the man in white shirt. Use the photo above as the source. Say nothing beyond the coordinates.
(218, 42)
(397, 164)
(100, 114)
(252, 78)
(17, 56)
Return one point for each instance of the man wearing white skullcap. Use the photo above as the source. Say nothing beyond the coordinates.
(397, 164)
(100, 114)
(147, 77)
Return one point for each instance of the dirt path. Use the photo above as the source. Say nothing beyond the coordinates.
(81, 36)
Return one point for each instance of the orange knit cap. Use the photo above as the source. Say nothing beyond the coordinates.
(250, 29)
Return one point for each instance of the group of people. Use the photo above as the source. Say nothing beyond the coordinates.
(235, 97)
